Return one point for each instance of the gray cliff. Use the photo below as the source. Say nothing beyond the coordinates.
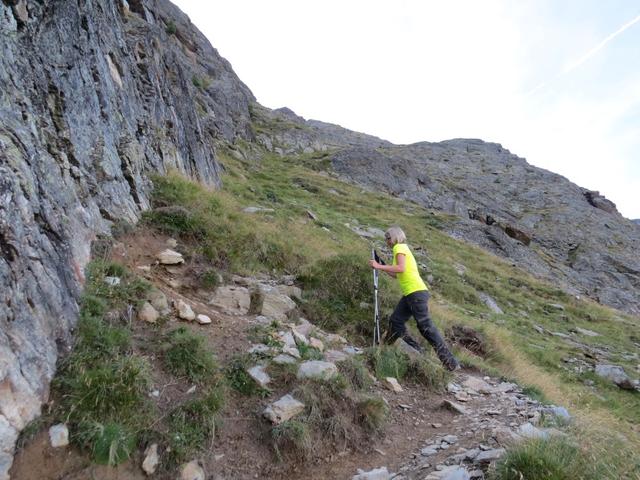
(94, 95)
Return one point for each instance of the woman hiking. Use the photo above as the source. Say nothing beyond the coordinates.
(414, 301)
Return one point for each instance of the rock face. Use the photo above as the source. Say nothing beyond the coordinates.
(95, 95)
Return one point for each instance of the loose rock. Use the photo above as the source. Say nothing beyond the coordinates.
(376, 474)
(317, 369)
(392, 384)
(284, 409)
(59, 435)
(184, 311)
(192, 471)
(170, 257)
(203, 319)
(151, 459)
(147, 313)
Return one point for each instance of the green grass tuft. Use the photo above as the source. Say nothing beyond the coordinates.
(186, 355)
(291, 440)
(388, 361)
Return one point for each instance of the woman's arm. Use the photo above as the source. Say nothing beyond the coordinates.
(391, 270)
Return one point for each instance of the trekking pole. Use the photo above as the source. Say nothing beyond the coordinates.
(376, 313)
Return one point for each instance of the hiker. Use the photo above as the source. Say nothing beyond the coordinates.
(414, 301)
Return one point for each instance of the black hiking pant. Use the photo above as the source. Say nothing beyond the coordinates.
(416, 304)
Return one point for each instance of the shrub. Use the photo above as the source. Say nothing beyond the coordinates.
(186, 355)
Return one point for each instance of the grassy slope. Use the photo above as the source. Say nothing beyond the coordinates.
(292, 185)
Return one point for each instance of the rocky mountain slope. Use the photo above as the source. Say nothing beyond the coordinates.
(537, 219)
(97, 94)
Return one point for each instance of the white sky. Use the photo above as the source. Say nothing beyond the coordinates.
(554, 81)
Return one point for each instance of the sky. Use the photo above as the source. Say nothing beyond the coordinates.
(554, 81)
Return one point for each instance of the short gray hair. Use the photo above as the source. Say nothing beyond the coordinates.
(395, 235)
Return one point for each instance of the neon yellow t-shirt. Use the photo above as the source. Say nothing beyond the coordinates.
(410, 280)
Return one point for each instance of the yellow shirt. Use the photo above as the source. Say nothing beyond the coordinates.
(410, 280)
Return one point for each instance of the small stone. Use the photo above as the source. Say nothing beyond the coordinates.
(317, 344)
(185, 312)
(299, 338)
(59, 435)
(170, 257)
(203, 319)
(284, 409)
(454, 407)
(283, 359)
(112, 281)
(147, 313)
(151, 459)
(259, 348)
(428, 451)
(489, 456)
(158, 300)
(191, 389)
(155, 393)
(144, 268)
(192, 471)
(293, 351)
(257, 210)
(376, 474)
(436, 425)
(392, 384)
(260, 376)
(317, 369)
(171, 242)
(335, 356)
(450, 439)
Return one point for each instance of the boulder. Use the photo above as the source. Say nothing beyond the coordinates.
(232, 299)
(59, 435)
(317, 369)
(170, 257)
(147, 313)
(284, 409)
